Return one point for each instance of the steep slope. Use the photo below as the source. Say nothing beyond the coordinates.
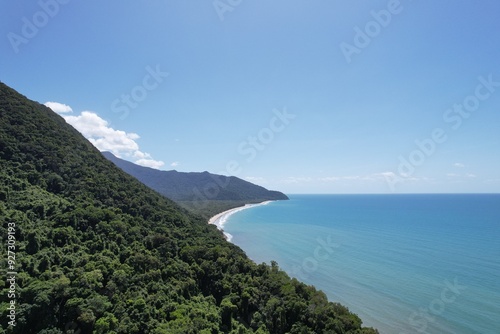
(96, 251)
(201, 190)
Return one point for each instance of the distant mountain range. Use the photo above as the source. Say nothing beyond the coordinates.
(198, 190)
(97, 251)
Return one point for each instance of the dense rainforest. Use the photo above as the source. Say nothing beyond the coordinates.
(96, 251)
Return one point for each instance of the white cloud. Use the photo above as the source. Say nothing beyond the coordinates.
(293, 179)
(341, 178)
(105, 138)
(141, 155)
(459, 165)
(455, 175)
(256, 179)
(375, 177)
(59, 108)
(370, 177)
(330, 179)
(387, 174)
(150, 163)
(174, 164)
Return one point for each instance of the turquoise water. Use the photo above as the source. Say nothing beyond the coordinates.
(403, 263)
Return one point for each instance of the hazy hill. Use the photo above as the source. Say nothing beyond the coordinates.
(200, 191)
(96, 251)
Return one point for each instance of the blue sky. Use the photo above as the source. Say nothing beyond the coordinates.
(298, 96)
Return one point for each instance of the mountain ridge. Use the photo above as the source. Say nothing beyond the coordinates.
(198, 191)
(97, 251)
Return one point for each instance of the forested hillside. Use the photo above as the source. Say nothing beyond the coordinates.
(203, 193)
(96, 251)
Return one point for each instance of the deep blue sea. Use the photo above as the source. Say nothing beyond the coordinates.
(403, 263)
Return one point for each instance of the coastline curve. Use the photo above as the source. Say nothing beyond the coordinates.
(220, 219)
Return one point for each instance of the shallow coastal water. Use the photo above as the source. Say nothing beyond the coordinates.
(403, 263)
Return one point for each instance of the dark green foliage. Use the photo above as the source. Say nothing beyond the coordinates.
(99, 252)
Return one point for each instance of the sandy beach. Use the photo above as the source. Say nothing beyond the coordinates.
(221, 218)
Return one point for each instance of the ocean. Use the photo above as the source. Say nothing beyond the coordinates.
(403, 263)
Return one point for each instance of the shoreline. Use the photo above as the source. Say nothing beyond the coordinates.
(220, 219)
